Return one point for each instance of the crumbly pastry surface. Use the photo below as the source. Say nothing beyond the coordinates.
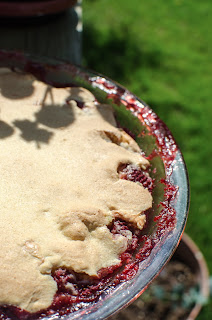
(59, 187)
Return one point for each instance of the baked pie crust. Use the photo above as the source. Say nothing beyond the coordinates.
(60, 187)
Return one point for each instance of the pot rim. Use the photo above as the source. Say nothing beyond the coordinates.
(33, 8)
(202, 271)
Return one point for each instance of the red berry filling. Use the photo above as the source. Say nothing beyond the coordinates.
(135, 174)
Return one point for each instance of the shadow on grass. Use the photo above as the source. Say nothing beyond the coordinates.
(168, 108)
(115, 53)
(182, 121)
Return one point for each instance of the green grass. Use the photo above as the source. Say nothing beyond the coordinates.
(161, 50)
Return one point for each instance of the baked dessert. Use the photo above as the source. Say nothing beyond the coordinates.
(74, 193)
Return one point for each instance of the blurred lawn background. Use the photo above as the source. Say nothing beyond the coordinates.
(161, 51)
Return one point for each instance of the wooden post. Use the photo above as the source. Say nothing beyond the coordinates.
(55, 36)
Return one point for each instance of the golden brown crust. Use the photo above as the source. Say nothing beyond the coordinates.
(59, 188)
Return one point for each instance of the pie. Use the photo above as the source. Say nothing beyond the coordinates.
(75, 191)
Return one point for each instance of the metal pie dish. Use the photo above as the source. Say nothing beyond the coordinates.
(154, 138)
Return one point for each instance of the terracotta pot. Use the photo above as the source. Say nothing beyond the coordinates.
(33, 8)
(189, 253)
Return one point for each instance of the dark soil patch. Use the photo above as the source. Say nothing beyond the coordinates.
(171, 296)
